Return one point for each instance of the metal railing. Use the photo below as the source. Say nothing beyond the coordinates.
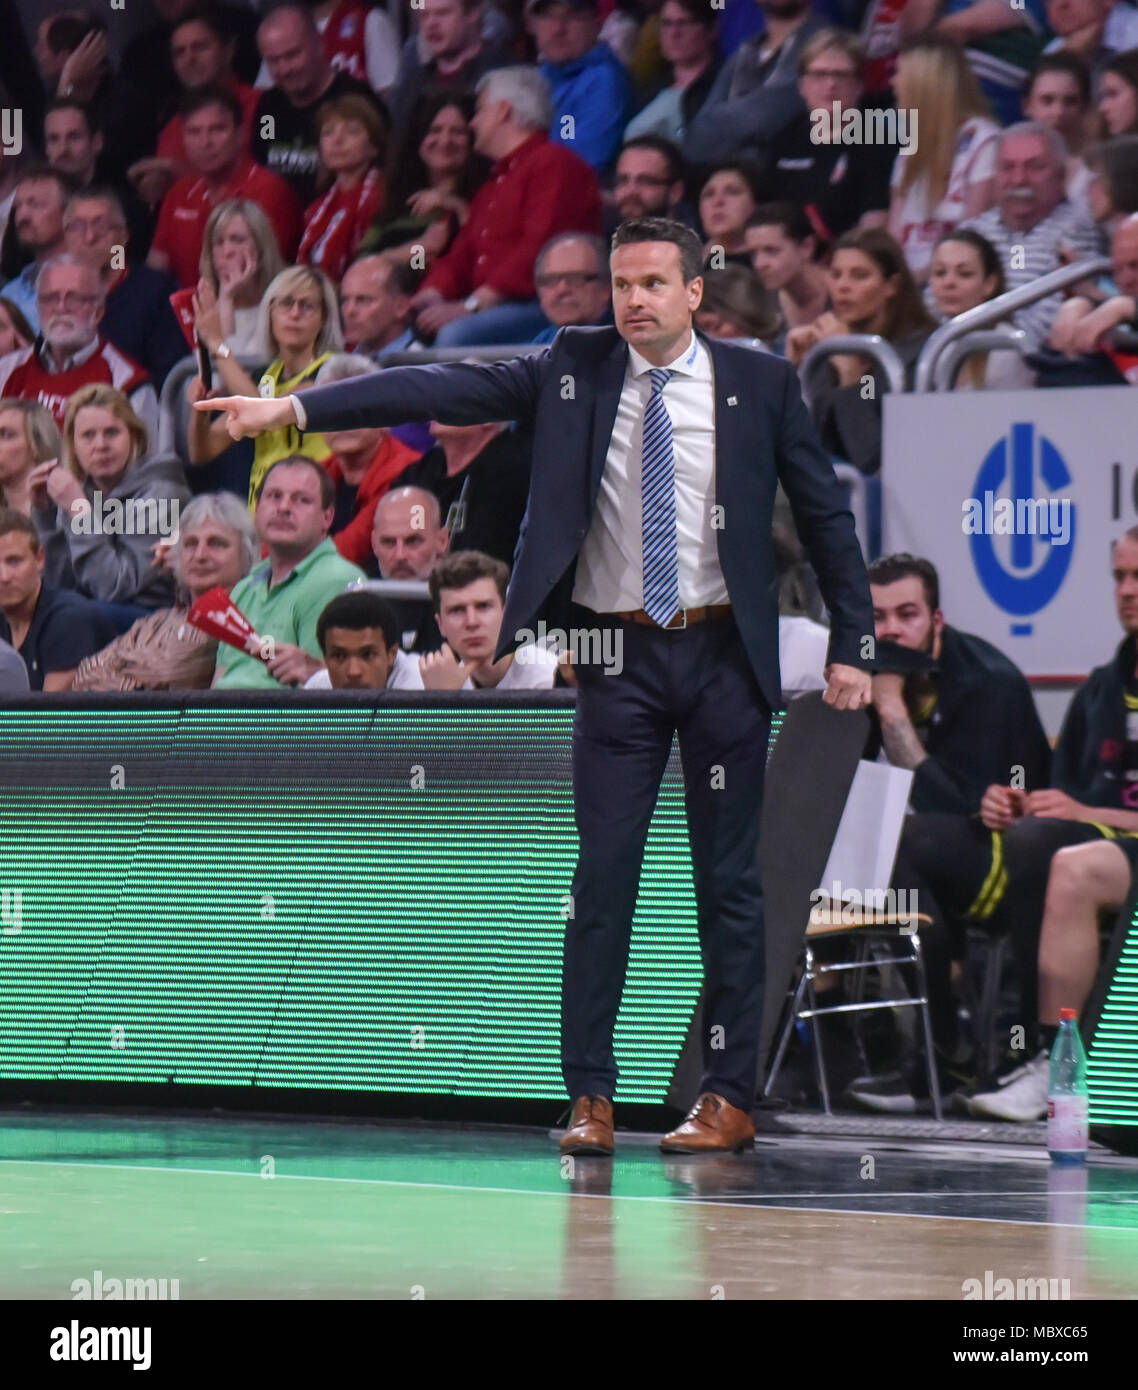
(888, 359)
(1002, 337)
(174, 409)
(861, 344)
(393, 588)
(984, 315)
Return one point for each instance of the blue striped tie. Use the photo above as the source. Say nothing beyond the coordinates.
(658, 493)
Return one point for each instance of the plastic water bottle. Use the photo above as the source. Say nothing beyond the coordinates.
(1067, 1094)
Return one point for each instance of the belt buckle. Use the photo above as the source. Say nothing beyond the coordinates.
(683, 612)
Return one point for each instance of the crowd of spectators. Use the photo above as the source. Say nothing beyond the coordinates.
(307, 191)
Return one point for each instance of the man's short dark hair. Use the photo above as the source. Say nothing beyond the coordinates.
(355, 611)
(667, 151)
(466, 567)
(217, 24)
(13, 523)
(70, 104)
(198, 100)
(101, 193)
(790, 217)
(327, 486)
(638, 229)
(1073, 64)
(890, 568)
(67, 31)
(403, 278)
(48, 173)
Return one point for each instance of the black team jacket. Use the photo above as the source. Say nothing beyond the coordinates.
(982, 725)
(1091, 746)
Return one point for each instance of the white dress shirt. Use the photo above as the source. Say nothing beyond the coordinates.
(610, 571)
(404, 675)
(534, 671)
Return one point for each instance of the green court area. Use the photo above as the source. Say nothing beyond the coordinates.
(288, 1207)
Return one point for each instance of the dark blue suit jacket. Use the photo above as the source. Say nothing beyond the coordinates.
(569, 395)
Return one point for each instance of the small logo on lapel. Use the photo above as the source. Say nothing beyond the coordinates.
(732, 400)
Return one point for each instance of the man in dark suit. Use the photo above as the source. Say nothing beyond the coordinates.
(656, 455)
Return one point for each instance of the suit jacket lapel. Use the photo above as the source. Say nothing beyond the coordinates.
(610, 383)
(730, 420)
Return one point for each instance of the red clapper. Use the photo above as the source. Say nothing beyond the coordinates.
(218, 616)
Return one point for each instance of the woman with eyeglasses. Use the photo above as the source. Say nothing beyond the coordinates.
(687, 43)
(839, 186)
(300, 329)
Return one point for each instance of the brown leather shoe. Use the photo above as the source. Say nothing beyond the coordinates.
(590, 1127)
(712, 1126)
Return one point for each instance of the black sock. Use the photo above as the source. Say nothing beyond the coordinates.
(1048, 1032)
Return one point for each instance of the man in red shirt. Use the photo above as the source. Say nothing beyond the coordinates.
(71, 352)
(222, 169)
(482, 290)
(201, 52)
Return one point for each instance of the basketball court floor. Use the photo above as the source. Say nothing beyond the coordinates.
(287, 1208)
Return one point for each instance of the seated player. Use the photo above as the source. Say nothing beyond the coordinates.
(358, 634)
(469, 593)
(284, 596)
(216, 546)
(1093, 798)
(1085, 882)
(52, 629)
(967, 719)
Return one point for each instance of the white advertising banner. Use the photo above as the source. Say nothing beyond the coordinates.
(1015, 496)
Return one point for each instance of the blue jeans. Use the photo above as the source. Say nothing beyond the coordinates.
(120, 616)
(517, 321)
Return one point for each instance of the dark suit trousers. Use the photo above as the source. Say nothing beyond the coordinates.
(696, 682)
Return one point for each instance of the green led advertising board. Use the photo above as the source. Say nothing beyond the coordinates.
(313, 894)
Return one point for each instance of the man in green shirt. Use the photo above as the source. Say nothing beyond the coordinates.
(285, 594)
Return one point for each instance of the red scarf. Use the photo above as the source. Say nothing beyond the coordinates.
(334, 225)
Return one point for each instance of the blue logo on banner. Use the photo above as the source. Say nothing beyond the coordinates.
(1024, 588)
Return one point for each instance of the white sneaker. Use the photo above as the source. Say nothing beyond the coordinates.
(1021, 1096)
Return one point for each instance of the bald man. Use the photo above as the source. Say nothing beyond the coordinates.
(408, 538)
(1082, 328)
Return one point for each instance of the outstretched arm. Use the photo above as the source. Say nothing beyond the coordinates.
(455, 393)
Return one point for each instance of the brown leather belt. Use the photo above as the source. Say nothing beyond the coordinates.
(683, 617)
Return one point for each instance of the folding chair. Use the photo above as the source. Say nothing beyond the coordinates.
(874, 935)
